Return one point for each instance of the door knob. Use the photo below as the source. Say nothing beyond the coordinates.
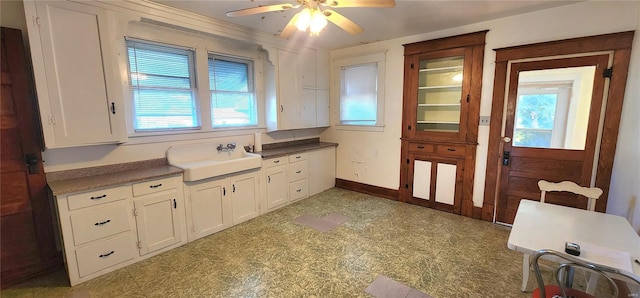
(506, 139)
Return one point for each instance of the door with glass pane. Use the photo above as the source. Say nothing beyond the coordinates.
(553, 113)
(441, 95)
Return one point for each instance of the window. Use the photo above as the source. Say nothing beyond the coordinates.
(232, 92)
(163, 86)
(361, 98)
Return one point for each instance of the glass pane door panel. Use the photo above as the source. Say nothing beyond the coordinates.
(439, 94)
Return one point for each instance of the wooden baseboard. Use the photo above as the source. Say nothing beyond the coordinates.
(477, 213)
(378, 191)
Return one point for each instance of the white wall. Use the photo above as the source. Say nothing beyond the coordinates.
(378, 153)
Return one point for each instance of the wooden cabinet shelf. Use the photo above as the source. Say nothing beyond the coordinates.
(441, 114)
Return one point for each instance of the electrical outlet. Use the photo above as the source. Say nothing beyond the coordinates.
(484, 120)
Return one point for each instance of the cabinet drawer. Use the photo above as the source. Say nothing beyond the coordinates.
(420, 148)
(99, 223)
(152, 186)
(298, 190)
(97, 197)
(272, 162)
(451, 150)
(96, 257)
(298, 170)
(297, 157)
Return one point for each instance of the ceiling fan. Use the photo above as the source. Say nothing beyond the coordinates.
(314, 14)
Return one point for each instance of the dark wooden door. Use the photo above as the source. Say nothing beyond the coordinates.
(27, 242)
(537, 144)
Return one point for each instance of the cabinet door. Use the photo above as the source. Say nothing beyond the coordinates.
(289, 88)
(209, 208)
(158, 221)
(438, 93)
(277, 186)
(308, 67)
(74, 78)
(308, 108)
(244, 195)
(436, 182)
(322, 170)
(322, 108)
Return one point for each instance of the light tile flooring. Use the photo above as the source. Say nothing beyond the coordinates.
(440, 254)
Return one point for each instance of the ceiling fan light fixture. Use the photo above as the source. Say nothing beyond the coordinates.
(318, 22)
(304, 19)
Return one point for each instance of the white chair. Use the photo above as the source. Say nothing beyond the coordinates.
(592, 193)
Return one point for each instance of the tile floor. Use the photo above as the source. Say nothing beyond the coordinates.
(437, 253)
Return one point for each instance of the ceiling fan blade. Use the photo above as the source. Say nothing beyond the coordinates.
(290, 28)
(360, 3)
(342, 22)
(259, 9)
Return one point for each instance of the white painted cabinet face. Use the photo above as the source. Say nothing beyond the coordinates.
(158, 221)
(277, 187)
(77, 91)
(208, 208)
(245, 195)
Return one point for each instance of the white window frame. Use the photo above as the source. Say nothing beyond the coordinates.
(203, 46)
(379, 59)
(251, 86)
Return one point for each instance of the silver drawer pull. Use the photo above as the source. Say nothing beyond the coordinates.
(155, 186)
(107, 254)
(298, 172)
(299, 190)
(451, 149)
(98, 197)
(103, 223)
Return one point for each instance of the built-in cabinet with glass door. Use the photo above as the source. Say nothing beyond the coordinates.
(442, 88)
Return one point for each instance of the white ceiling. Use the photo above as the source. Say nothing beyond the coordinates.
(405, 19)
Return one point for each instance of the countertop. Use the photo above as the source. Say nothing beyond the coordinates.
(85, 179)
(91, 182)
(293, 149)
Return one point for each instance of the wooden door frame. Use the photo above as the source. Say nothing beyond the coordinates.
(620, 44)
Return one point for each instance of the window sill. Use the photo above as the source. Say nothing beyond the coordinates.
(190, 135)
(373, 128)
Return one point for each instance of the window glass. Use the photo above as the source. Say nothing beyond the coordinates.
(232, 92)
(163, 86)
(359, 94)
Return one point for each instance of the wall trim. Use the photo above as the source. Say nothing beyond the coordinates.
(391, 194)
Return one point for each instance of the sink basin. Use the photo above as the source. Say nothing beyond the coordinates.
(203, 160)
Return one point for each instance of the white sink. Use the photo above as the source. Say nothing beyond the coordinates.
(203, 160)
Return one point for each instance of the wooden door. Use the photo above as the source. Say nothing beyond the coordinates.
(553, 114)
(27, 236)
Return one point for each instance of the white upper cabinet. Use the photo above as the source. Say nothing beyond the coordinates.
(297, 89)
(74, 78)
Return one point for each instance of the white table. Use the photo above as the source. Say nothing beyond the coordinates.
(547, 226)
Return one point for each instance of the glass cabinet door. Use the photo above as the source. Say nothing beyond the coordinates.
(439, 94)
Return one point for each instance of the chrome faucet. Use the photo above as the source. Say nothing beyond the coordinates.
(228, 147)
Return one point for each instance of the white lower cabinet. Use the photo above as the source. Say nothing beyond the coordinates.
(107, 229)
(218, 203)
(297, 176)
(158, 222)
(277, 184)
(206, 208)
